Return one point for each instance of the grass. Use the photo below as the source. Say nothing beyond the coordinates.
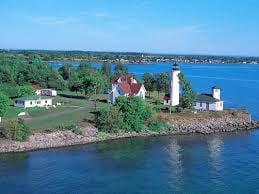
(75, 108)
(12, 112)
(56, 121)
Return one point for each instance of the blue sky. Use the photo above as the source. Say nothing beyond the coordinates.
(221, 27)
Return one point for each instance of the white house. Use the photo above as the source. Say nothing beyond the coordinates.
(37, 88)
(173, 98)
(210, 102)
(48, 92)
(33, 101)
(125, 86)
(44, 92)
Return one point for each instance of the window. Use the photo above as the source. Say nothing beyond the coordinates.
(46, 102)
(38, 102)
(200, 104)
(31, 103)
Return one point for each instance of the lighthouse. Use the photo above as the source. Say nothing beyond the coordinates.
(175, 86)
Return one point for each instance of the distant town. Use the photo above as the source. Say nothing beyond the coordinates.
(130, 57)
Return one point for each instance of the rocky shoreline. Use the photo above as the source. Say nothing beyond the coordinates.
(205, 125)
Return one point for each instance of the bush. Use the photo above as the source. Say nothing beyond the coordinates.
(110, 120)
(77, 131)
(26, 90)
(15, 130)
(134, 111)
(9, 90)
(158, 126)
(63, 127)
(4, 101)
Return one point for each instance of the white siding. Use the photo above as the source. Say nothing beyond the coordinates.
(215, 106)
(142, 93)
(167, 102)
(33, 103)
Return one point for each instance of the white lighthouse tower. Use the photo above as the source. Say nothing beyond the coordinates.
(175, 86)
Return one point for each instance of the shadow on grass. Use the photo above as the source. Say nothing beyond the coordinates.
(103, 100)
(93, 118)
(72, 96)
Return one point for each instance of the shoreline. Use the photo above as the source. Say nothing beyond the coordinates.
(40, 141)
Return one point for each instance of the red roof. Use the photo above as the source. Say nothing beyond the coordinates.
(125, 87)
(167, 97)
(130, 89)
(124, 79)
(135, 88)
(37, 86)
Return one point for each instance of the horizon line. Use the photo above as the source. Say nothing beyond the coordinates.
(136, 52)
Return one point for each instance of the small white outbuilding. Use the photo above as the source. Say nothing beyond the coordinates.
(33, 101)
(210, 102)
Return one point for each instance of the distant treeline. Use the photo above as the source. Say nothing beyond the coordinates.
(128, 57)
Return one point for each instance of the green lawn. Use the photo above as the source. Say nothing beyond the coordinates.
(75, 108)
(56, 120)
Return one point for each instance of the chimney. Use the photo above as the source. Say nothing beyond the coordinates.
(216, 92)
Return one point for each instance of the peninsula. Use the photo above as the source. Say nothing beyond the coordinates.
(43, 107)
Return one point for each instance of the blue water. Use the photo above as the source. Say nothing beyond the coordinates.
(220, 163)
(240, 83)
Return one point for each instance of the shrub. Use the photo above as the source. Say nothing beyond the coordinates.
(110, 120)
(158, 126)
(134, 111)
(4, 101)
(77, 131)
(63, 127)
(15, 130)
(9, 90)
(26, 90)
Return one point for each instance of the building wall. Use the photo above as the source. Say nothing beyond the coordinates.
(48, 92)
(175, 88)
(29, 103)
(167, 102)
(216, 106)
(216, 93)
(43, 102)
(142, 93)
(33, 103)
(116, 92)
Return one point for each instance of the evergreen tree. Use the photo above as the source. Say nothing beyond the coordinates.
(188, 94)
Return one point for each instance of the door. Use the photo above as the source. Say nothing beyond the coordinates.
(207, 106)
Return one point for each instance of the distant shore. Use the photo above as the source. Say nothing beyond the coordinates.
(203, 124)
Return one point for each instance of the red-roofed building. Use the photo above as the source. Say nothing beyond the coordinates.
(44, 92)
(37, 88)
(125, 86)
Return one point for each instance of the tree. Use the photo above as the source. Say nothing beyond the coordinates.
(106, 71)
(15, 130)
(92, 84)
(26, 90)
(4, 101)
(110, 120)
(55, 80)
(120, 70)
(65, 71)
(149, 82)
(134, 111)
(162, 82)
(9, 90)
(188, 94)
